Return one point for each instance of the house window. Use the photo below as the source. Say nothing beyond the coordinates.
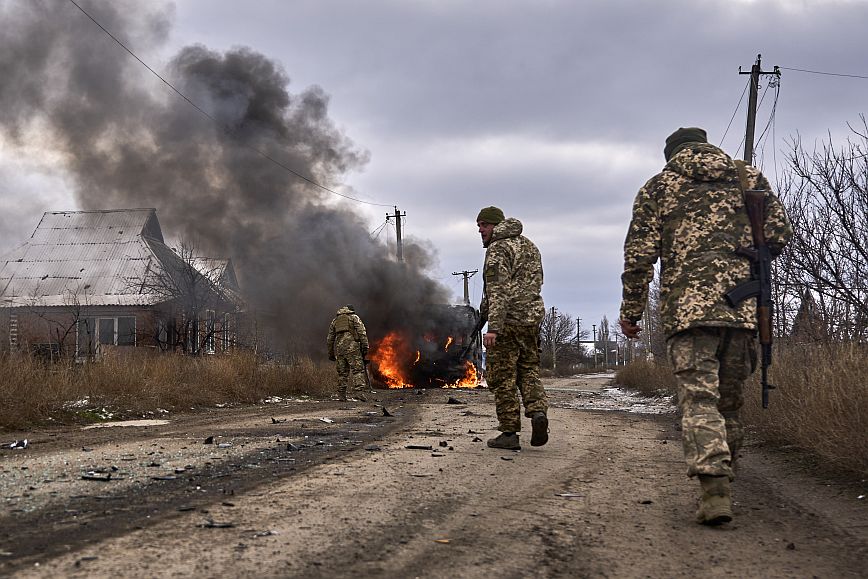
(126, 331)
(109, 331)
(209, 331)
(227, 335)
(193, 335)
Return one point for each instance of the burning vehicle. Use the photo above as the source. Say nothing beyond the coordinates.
(443, 351)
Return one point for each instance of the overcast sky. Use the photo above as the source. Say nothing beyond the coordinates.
(556, 111)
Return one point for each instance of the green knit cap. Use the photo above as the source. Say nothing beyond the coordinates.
(677, 140)
(493, 215)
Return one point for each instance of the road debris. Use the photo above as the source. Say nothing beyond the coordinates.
(453, 400)
(569, 495)
(209, 440)
(277, 420)
(212, 524)
(326, 420)
(419, 447)
(95, 475)
(19, 444)
(386, 412)
(442, 541)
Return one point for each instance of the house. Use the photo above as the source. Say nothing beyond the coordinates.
(88, 282)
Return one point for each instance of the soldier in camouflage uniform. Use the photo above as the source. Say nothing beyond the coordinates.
(513, 306)
(348, 346)
(692, 217)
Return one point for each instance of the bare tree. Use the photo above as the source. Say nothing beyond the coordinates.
(556, 340)
(61, 323)
(826, 195)
(194, 301)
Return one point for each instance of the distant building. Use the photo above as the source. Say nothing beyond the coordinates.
(90, 282)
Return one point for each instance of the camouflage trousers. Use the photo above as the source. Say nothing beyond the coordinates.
(711, 365)
(351, 370)
(512, 367)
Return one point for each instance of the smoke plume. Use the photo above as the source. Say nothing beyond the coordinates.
(126, 141)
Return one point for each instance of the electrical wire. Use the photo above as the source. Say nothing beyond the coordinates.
(771, 116)
(376, 232)
(225, 129)
(738, 106)
(824, 73)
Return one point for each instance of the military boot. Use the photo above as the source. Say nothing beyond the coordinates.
(506, 440)
(540, 424)
(715, 507)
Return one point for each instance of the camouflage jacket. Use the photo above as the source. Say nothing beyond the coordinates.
(346, 326)
(513, 277)
(692, 217)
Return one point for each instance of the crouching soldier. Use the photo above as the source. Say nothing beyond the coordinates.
(348, 346)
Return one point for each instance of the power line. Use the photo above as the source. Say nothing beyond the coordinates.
(376, 232)
(771, 120)
(824, 73)
(738, 106)
(225, 129)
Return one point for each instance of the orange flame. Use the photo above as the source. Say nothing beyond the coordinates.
(387, 356)
(470, 379)
(448, 343)
(393, 360)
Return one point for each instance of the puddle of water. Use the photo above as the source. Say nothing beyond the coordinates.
(127, 423)
(621, 400)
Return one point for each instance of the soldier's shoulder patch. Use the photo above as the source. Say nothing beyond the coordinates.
(491, 272)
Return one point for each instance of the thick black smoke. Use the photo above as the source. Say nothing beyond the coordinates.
(128, 141)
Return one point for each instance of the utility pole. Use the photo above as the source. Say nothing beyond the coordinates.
(398, 215)
(595, 345)
(554, 341)
(467, 275)
(755, 72)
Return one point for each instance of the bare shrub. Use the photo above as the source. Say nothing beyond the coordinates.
(647, 377)
(820, 404)
(32, 391)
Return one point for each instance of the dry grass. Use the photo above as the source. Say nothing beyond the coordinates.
(32, 392)
(647, 377)
(820, 406)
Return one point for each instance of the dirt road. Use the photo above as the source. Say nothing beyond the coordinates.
(331, 489)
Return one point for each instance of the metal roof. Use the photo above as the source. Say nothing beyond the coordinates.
(86, 258)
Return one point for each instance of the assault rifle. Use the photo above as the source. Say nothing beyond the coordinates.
(760, 283)
(474, 336)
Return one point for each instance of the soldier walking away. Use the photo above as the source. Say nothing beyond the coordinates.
(348, 346)
(692, 217)
(514, 308)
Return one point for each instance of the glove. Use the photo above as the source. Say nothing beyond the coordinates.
(332, 357)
